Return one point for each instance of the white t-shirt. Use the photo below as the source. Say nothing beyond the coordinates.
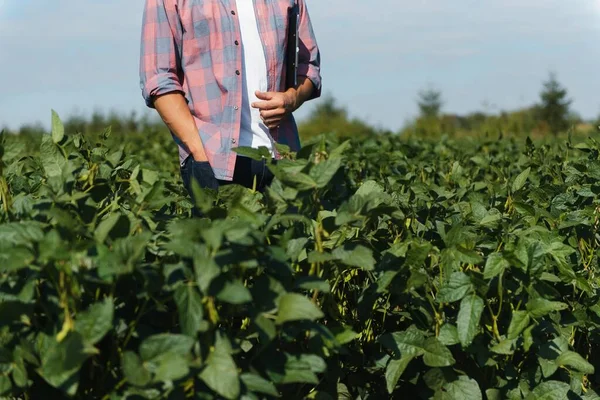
(253, 131)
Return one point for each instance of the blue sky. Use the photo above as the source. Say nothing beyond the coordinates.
(80, 55)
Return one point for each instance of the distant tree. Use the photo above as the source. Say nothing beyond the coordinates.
(430, 103)
(554, 105)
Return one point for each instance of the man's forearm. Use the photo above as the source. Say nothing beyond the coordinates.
(174, 111)
(302, 92)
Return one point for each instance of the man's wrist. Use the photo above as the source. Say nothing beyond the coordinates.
(198, 153)
(294, 98)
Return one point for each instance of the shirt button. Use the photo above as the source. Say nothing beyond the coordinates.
(232, 12)
(237, 43)
(233, 141)
(237, 72)
(236, 108)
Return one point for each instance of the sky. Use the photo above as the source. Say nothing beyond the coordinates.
(77, 56)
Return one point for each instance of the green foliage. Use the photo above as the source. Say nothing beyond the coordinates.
(377, 268)
(520, 123)
(330, 118)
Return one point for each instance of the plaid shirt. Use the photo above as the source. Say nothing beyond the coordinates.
(194, 47)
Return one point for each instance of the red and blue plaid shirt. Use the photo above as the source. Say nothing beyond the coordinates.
(194, 47)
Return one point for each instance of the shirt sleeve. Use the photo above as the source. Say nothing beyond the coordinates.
(309, 56)
(160, 56)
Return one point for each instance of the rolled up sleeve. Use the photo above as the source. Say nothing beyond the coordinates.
(309, 56)
(160, 56)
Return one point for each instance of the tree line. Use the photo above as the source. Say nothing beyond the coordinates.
(551, 115)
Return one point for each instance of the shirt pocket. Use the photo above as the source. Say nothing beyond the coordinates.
(199, 21)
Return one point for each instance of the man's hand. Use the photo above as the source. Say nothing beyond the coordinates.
(275, 106)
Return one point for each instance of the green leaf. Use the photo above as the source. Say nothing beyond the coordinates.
(312, 283)
(62, 361)
(96, 321)
(155, 346)
(105, 226)
(412, 343)
(518, 323)
(265, 326)
(528, 338)
(467, 256)
(345, 336)
(306, 361)
(257, 384)
(339, 151)
(455, 289)
(205, 269)
(149, 176)
(133, 369)
(539, 307)
(468, 318)
(58, 130)
(520, 180)
(253, 153)
(221, 374)
(493, 394)
(20, 233)
(505, 347)
(167, 355)
(394, 371)
(549, 390)
(370, 188)
(299, 376)
(235, 293)
(576, 361)
(318, 257)
(295, 307)
(436, 354)
(51, 157)
(461, 389)
(403, 344)
(323, 172)
(416, 255)
(298, 181)
(590, 395)
(495, 265)
(303, 369)
(435, 379)
(448, 335)
(15, 258)
(523, 208)
(168, 367)
(359, 256)
(491, 218)
(295, 247)
(548, 367)
(535, 258)
(5, 385)
(190, 309)
(20, 373)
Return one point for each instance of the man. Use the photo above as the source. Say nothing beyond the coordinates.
(215, 72)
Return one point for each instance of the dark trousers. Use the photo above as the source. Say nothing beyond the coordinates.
(248, 172)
